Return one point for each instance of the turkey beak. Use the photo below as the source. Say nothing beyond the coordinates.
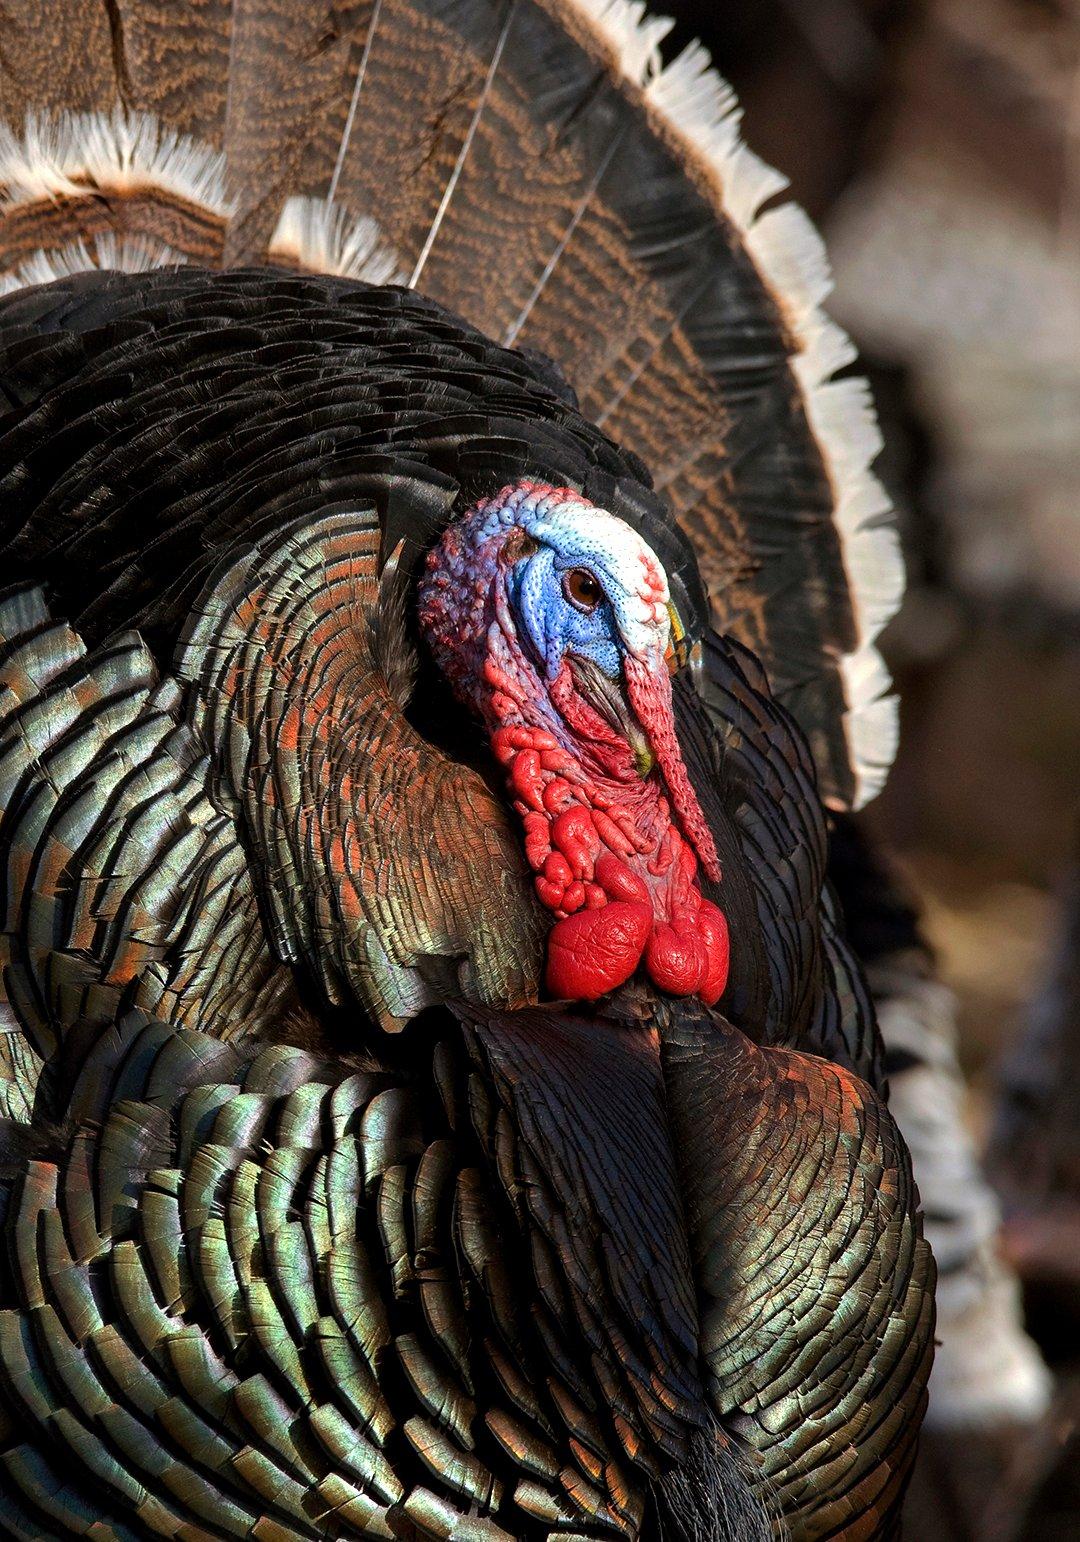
(608, 698)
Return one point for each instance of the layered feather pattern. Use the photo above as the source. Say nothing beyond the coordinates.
(275, 1272)
(532, 165)
(318, 1219)
(265, 1296)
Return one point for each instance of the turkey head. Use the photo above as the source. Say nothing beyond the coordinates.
(552, 620)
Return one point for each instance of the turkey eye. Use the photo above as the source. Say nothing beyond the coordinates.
(582, 589)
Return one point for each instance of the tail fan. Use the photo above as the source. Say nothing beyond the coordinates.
(532, 165)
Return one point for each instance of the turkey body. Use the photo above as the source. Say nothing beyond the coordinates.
(320, 1223)
(332, 633)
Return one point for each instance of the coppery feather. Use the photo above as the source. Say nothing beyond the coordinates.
(321, 1218)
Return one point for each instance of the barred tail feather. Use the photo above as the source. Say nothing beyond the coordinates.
(539, 169)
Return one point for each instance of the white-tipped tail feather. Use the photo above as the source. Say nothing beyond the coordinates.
(322, 237)
(72, 153)
(632, 34)
(700, 107)
(130, 255)
(700, 104)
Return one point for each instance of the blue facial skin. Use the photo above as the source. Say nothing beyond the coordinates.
(552, 624)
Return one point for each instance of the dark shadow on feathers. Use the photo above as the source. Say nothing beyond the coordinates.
(43, 1141)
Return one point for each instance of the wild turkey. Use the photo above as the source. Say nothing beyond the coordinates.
(440, 1103)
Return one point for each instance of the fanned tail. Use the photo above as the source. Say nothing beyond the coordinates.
(534, 166)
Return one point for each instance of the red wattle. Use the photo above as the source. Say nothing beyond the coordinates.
(675, 960)
(713, 931)
(594, 951)
(617, 881)
(623, 890)
(574, 834)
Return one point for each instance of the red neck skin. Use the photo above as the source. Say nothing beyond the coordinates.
(610, 861)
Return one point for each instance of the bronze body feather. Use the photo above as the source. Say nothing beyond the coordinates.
(321, 1219)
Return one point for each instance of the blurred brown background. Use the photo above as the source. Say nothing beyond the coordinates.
(937, 144)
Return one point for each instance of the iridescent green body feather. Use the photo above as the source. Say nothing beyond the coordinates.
(319, 1222)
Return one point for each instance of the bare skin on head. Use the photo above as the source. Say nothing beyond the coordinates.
(552, 619)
